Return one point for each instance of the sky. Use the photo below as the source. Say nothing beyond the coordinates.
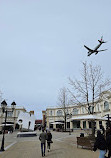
(42, 45)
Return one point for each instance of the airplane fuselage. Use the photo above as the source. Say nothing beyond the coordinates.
(97, 47)
(95, 50)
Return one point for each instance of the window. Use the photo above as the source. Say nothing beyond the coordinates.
(89, 124)
(59, 113)
(83, 110)
(91, 109)
(75, 111)
(97, 108)
(9, 114)
(51, 113)
(84, 124)
(76, 124)
(100, 124)
(106, 105)
(29, 124)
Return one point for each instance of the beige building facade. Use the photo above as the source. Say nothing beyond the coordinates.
(102, 107)
(11, 117)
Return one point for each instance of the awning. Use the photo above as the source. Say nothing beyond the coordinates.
(89, 117)
(55, 123)
(6, 125)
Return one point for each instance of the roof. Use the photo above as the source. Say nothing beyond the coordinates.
(38, 121)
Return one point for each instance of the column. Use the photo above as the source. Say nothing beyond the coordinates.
(81, 124)
(87, 125)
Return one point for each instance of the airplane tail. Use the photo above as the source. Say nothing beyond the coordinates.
(101, 40)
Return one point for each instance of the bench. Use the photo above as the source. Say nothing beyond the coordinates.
(85, 142)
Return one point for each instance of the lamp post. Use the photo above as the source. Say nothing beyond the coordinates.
(4, 110)
(68, 117)
(13, 108)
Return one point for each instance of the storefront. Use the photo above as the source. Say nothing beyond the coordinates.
(76, 124)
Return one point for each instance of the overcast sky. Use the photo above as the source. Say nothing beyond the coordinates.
(42, 44)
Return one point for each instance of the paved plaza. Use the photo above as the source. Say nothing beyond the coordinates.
(64, 146)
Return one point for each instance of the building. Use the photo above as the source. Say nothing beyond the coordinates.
(12, 116)
(38, 124)
(54, 115)
(26, 120)
(44, 118)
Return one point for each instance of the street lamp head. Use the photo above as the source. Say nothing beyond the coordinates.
(13, 105)
(3, 105)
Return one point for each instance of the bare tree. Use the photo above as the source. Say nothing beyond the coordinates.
(1, 96)
(88, 89)
(63, 104)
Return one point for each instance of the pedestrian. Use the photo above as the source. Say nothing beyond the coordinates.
(103, 129)
(47, 129)
(49, 140)
(108, 142)
(100, 144)
(42, 138)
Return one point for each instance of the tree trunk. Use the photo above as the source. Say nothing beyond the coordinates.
(93, 128)
(65, 123)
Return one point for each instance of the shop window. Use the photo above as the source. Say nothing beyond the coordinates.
(68, 124)
(84, 124)
(89, 124)
(100, 124)
(76, 124)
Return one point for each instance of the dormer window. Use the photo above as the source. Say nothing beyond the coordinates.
(75, 111)
(106, 105)
(59, 113)
(97, 108)
(83, 110)
(51, 113)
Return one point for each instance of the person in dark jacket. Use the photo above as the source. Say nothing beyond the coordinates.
(103, 130)
(100, 144)
(42, 138)
(49, 140)
(108, 142)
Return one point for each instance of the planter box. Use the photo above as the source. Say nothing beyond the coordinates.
(85, 142)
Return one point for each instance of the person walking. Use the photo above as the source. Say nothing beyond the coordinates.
(42, 138)
(49, 140)
(108, 142)
(100, 144)
(47, 129)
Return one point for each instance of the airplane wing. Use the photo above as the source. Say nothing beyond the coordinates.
(102, 50)
(88, 48)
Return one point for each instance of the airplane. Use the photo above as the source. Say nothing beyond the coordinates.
(95, 50)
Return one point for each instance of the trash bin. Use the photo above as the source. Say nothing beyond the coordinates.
(81, 134)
